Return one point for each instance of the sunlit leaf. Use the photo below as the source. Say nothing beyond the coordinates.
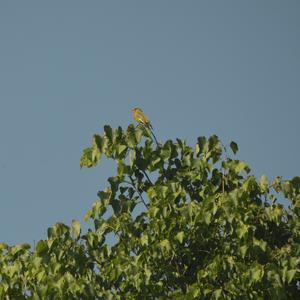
(76, 229)
(179, 237)
(264, 184)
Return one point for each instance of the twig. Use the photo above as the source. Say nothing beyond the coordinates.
(146, 175)
(150, 128)
(223, 169)
(115, 232)
(136, 189)
(154, 137)
(223, 181)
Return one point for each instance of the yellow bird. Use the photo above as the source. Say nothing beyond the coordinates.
(140, 117)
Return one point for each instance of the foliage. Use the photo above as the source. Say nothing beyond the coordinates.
(176, 222)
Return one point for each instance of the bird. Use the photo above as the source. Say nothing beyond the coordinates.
(141, 118)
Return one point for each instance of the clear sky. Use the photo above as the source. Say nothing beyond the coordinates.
(67, 68)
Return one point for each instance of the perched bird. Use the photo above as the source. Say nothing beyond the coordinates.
(141, 118)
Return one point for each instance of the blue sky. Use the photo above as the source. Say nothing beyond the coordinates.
(67, 68)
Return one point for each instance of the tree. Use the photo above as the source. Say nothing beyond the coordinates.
(176, 222)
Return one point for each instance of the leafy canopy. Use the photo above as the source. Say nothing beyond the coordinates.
(175, 222)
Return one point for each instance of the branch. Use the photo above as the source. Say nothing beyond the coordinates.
(154, 137)
(136, 189)
(150, 128)
(146, 175)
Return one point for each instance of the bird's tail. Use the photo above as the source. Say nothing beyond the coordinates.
(152, 133)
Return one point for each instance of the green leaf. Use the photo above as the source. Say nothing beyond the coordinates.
(241, 166)
(286, 187)
(243, 250)
(290, 274)
(297, 201)
(276, 184)
(98, 142)
(234, 147)
(41, 248)
(144, 240)
(121, 149)
(131, 137)
(86, 158)
(201, 142)
(264, 184)
(165, 245)
(106, 251)
(58, 230)
(257, 273)
(207, 217)
(20, 248)
(3, 246)
(153, 210)
(250, 184)
(109, 133)
(260, 243)
(179, 236)
(242, 230)
(148, 274)
(138, 134)
(217, 294)
(75, 230)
